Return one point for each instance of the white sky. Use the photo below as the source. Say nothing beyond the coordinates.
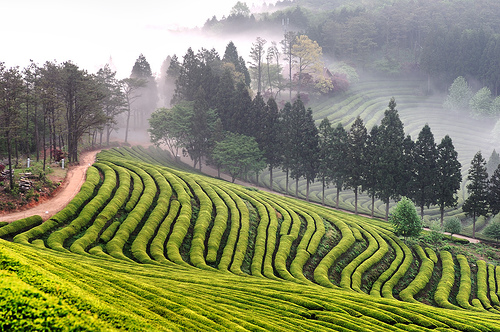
(88, 32)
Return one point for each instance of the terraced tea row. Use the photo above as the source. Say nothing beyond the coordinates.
(140, 216)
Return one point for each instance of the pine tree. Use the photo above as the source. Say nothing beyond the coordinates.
(325, 132)
(426, 156)
(449, 176)
(494, 192)
(406, 188)
(339, 166)
(477, 203)
(240, 120)
(493, 163)
(356, 158)
(225, 99)
(271, 137)
(287, 141)
(373, 176)
(305, 147)
(391, 133)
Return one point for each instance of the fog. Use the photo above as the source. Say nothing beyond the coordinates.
(91, 32)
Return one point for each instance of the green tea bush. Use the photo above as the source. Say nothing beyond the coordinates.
(422, 278)
(20, 225)
(86, 192)
(447, 280)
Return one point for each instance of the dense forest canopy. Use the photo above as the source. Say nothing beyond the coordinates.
(444, 38)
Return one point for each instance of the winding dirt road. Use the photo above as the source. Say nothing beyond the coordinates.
(69, 188)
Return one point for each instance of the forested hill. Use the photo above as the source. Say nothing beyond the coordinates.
(445, 39)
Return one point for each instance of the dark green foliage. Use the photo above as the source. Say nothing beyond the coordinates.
(390, 151)
(448, 177)
(20, 225)
(453, 225)
(238, 155)
(477, 203)
(494, 191)
(405, 220)
(493, 230)
(356, 158)
(426, 171)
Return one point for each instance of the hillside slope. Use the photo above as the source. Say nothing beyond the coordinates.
(148, 246)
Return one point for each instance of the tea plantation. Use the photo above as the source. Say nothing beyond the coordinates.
(148, 246)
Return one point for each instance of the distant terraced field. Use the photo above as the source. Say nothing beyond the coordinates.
(369, 99)
(151, 247)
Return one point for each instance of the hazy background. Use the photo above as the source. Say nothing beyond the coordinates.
(90, 32)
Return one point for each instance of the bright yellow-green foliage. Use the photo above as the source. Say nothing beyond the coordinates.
(192, 253)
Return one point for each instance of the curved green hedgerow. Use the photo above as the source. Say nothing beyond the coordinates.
(422, 278)
(382, 249)
(388, 287)
(136, 193)
(492, 286)
(157, 247)
(92, 233)
(197, 250)
(464, 289)
(219, 226)
(56, 239)
(347, 240)
(482, 284)
(182, 223)
(20, 225)
(446, 282)
(115, 246)
(377, 285)
(85, 193)
(140, 243)
(228, 250)
(346, 277)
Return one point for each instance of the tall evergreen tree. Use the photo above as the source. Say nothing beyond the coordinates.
(372, 178)
(305, 147)
(477, 203)
(271, 137)
(494, 192)
(225, 99)
(449, 176)
(426, 171)
(493, 163)
(356, 158)
(325, 132)
(391, 138)
(147, 96)
(406, 188)
(287, 141)
(231, 56)
(339, 166)
(240, 118)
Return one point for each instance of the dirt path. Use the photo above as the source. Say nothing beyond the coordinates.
(69, 188)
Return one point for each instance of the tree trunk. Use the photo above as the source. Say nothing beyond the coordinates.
(9, 152)
(373, 205)
(323, 192)
(387, 210)
(297, 187)
(442, 215)
(127, 125)
(307, 190)
(356, 200)
(286, 182)
(473, 225)
(271, 178)
(422, 212)
(338, 196)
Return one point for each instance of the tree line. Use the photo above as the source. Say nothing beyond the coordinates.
(48, 109)
(383, 162)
